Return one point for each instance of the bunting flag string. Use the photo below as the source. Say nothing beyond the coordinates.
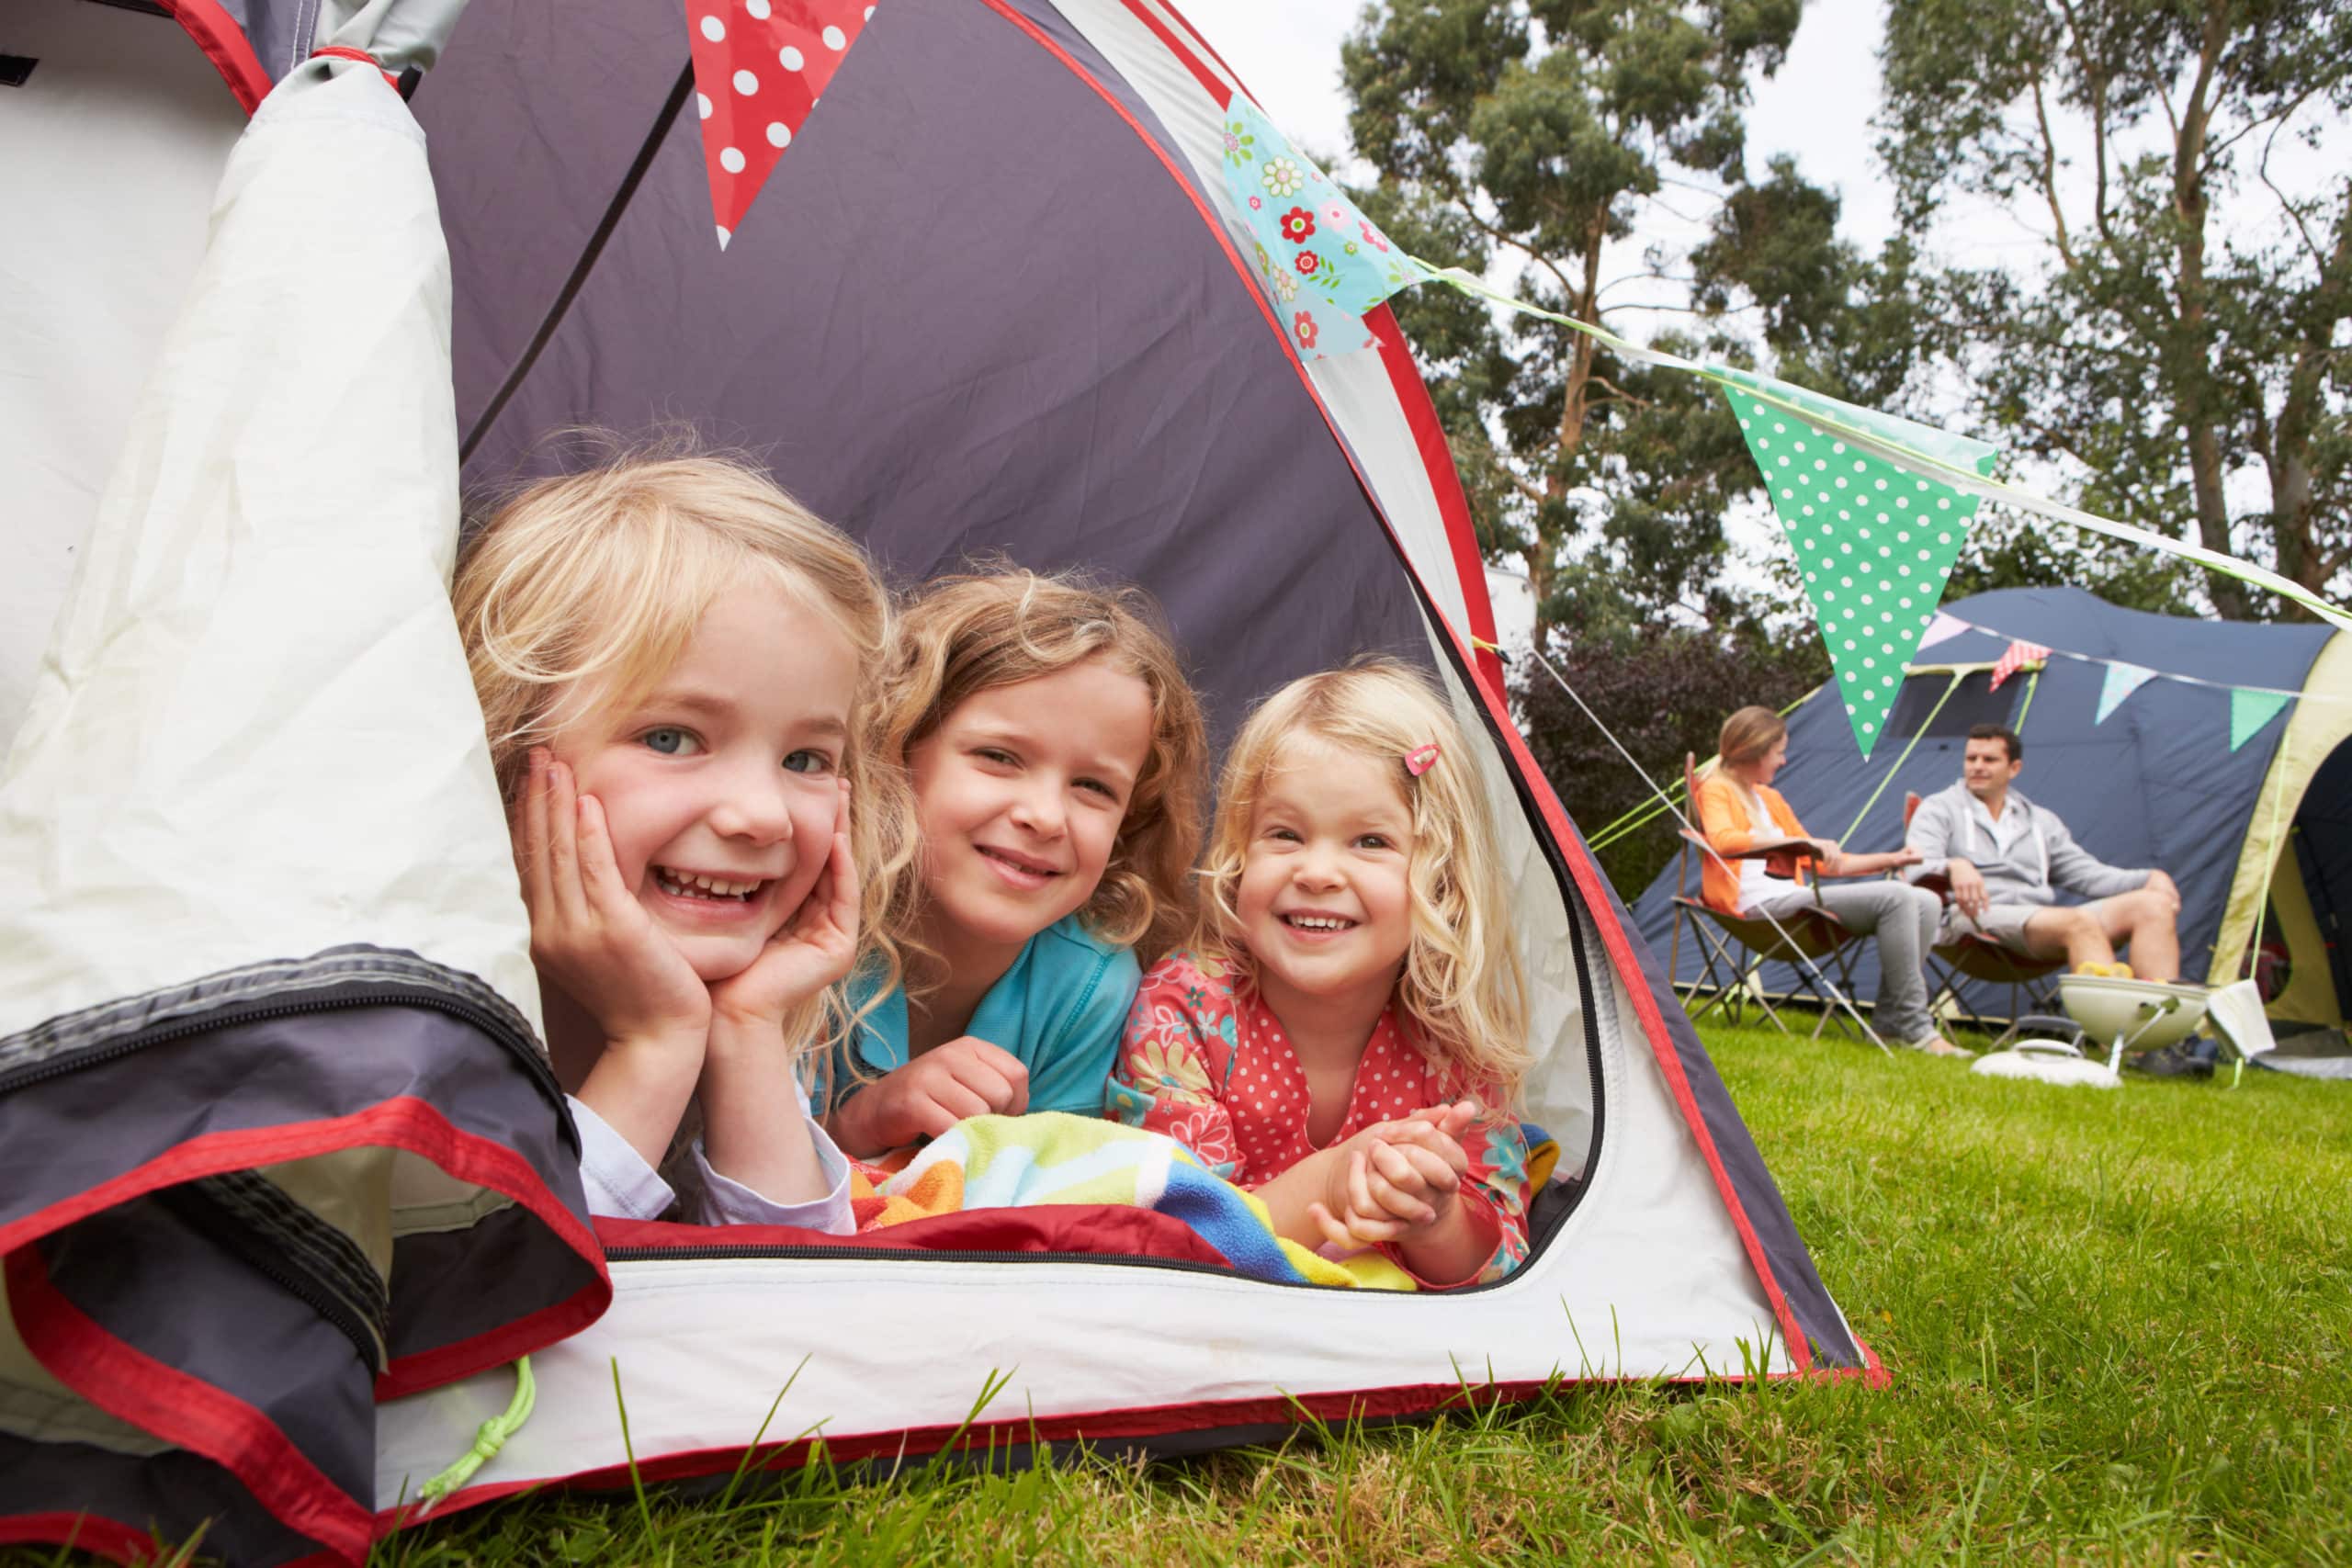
(1962, 465)
(2279, 692)
(2122, 680)
(760, 65)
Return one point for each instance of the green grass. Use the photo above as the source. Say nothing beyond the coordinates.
(2119, 1326)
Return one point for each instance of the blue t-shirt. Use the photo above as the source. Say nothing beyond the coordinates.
(1061, 1009)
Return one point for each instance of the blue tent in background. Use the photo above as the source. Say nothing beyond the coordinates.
(2156, 783)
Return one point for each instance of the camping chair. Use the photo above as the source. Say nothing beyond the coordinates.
(1734, 948)
(1978, 957)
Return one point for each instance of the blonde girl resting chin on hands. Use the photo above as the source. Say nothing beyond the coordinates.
(1057, 759)
(1346, 1033)
(670, 654)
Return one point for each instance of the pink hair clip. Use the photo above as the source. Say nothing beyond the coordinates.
(1420, 758)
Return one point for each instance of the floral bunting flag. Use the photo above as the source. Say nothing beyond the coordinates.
(760, 66)
(2249, 711)
(2121, 681)
(1324, 263)
(1875, 543)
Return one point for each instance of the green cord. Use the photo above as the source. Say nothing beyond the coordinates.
(2032, 679)
(1650, 810)
(491, 1437)
(1950, 688)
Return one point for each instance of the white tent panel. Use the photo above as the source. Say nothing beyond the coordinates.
(114, 142)
(253, 736)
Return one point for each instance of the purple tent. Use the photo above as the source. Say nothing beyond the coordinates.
(990, 302)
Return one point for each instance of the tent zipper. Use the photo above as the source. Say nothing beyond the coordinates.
(783, 1251)
(190, 1204)
(480, 1019)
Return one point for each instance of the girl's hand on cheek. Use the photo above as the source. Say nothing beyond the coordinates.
(589, 935)
(811, 952)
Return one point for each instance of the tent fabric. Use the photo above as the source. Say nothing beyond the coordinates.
(990, 304)
(281, 1137)
(2304, 811)
(2156, 785)
(116, 140)
(2323, 841)
(1033, 390)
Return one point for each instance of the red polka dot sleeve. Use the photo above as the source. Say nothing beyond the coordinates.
(1174, 1058)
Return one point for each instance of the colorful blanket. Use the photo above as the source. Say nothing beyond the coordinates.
(1054, 1157)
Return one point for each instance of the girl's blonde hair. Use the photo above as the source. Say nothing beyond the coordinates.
(580, 593)
(1749, 734)
(963, 635)
(1462, 983)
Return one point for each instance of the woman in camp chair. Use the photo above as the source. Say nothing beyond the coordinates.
(1741, 814)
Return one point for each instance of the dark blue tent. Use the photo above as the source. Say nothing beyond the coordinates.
(2156, 785)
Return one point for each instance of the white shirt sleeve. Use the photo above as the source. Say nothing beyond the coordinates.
(620, 1184)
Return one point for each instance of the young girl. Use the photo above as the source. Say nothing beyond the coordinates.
(1057, 758)
(670, 654)
(1346, 1033)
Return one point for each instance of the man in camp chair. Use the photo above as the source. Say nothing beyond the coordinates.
(2007, 859)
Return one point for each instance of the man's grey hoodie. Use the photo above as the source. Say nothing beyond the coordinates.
(1951, 824)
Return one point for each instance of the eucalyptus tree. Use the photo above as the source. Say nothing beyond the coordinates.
(2183, 345)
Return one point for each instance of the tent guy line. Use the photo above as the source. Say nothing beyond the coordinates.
(1697, 837)
(2152, 674)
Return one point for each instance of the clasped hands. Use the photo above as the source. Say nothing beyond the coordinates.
(1395, 1182)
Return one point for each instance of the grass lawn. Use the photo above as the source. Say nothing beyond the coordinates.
(2119, 1326)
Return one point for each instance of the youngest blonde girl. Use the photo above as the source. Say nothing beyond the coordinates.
(1345, 1034)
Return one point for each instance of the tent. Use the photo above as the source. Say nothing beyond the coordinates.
(2157, 782)
(989, 302)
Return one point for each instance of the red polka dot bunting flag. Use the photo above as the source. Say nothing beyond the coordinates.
(760, 67)
(2014, 658)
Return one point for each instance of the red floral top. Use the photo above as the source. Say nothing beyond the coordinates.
(1207, 1065)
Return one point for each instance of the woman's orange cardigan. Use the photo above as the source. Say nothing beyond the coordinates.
(1723, 816)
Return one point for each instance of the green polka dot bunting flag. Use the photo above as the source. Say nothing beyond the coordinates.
(1875, 543)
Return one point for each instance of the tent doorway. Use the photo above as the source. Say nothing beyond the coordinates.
(2316, 875)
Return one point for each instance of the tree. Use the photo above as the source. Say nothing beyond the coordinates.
(2166, 360)
(1542, 131)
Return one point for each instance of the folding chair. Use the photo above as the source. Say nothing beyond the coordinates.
(1978, 957)
(1815, 943)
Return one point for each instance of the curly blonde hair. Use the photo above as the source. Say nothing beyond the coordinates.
(580, 591)
(967, 633)
(1462, 982)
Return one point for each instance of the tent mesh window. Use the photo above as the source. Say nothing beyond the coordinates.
(1974, 703)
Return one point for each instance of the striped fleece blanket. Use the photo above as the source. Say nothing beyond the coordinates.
(1054, 1157)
